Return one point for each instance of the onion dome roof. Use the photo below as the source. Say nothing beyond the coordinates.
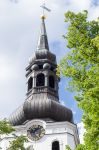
(40, 106)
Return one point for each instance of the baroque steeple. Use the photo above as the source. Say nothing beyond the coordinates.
(42, 99)
(43, 66)
(43, 40)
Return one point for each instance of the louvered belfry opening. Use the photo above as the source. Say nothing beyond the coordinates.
(30, 83)
(40, 80)
(51, 82)
(55, 145)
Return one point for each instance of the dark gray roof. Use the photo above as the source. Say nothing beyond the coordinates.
(43, 41)
(17, 117)
(42, 51)
(41, 106)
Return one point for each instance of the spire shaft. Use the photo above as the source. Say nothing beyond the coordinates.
(43, 40)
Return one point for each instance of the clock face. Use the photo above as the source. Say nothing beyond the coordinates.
(36, 132)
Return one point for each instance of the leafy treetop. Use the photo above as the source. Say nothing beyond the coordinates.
(81, 65)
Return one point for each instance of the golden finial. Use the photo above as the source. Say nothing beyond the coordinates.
(43, 17)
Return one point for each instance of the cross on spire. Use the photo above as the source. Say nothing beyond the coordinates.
(43, 6)
(43, 40)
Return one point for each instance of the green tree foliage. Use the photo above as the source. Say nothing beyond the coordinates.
(81, 66)
(81, 147)
(5, 127)
(18, 143)
(67, 147)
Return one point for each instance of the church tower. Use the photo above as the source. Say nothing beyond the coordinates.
(48, 124)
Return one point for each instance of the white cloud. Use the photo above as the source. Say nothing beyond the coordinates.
(94, 12)
(80, 5)
(6, 69)
(81, 131)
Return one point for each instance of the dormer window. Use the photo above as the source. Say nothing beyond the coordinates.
(30, 83)
(40, 80)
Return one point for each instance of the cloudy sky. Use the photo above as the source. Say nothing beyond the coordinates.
(19, 30)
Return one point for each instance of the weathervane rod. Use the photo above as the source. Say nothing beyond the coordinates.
(43, 7)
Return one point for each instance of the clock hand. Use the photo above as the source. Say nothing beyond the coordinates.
(39, 128)
(35, 130)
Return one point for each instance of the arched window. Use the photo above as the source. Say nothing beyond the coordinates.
(55, 145)
(30, 83)
(40, 80)
(51, 82)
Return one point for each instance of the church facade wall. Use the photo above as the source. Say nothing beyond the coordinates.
(63, 132)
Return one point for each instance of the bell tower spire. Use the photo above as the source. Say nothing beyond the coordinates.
(43, 40)
(41, 115)
(42, 97)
